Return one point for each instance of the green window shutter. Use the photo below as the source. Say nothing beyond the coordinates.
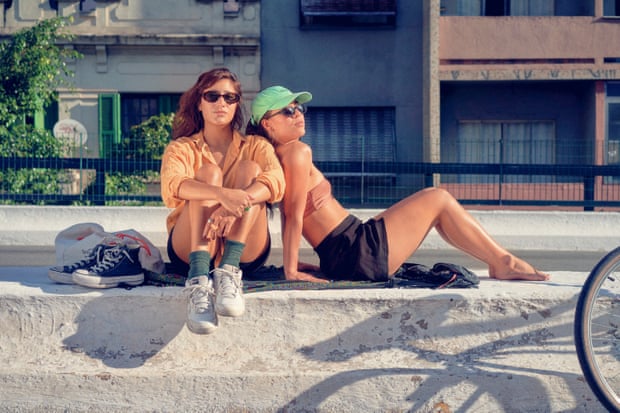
(109, 123)
(39, 120)
(46, 118)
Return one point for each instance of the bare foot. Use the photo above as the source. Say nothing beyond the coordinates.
(514, 268)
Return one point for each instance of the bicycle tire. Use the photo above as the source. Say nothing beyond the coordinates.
(597, 330)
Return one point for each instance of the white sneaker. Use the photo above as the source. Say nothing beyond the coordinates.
(228, 291)
(201, 319)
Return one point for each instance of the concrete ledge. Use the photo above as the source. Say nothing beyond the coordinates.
(505, 347)
(516, 230)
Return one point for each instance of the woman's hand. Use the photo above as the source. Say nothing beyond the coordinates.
(219, 224)
(235, 201)
(301, 275)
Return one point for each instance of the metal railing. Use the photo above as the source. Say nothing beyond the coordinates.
(366, 184)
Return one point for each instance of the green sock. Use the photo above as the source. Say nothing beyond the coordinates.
(199, 263)
(232, 253)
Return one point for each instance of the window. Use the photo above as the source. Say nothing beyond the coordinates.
(518, 142)
(505, 8)
(117, 114)
(351, 134)
(611, 8)
(612, 149)
(613, 133)
(347, 13)
(136, 108)
(87, 6)
(359, 135)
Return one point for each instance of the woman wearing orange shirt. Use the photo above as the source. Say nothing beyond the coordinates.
(217, 181)
(348, 248)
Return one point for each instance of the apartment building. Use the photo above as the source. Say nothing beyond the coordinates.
(463, 81)
(528, 81)
(140, 55)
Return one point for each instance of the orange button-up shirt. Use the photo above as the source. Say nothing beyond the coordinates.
(184, 156)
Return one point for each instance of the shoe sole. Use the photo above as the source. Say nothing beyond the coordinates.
(201, 328)
(60, 277)
(107, 282)
(229, 312)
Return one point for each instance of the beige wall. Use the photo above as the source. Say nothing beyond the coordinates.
(584, 42)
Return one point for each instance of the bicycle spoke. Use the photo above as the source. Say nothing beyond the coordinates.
(597, 330)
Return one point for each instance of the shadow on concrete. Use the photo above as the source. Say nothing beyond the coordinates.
(480, 366)
(36, 277)
(125, 331)
(120, 327)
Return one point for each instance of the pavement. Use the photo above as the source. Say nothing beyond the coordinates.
(502, 347)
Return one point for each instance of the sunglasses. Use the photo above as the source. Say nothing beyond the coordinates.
(288, 111)
(213, 97)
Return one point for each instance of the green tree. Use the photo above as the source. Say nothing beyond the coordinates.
(32, 66)
(148, 140)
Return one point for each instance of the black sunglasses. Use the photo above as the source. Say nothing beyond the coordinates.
(213, 97)
(288, 111)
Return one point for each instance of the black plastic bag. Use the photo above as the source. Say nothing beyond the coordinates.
(441, 275)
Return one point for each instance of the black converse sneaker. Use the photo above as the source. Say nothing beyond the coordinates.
(64, 274)
(119, 265)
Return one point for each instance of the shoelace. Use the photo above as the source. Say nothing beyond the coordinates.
(93, 253)
(111, 257)
(228, 286)
(199, 295)
(89, 256)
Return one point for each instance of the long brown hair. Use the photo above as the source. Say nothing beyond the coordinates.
(188, 120)
(251, 129)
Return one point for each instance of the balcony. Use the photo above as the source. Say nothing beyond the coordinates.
(528, 48)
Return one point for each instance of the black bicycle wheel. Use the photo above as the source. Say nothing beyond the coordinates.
(597, 330)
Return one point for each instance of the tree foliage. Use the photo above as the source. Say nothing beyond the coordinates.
(24, 141)
(149, 139)
(32, 66)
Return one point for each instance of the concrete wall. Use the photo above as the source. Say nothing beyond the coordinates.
(515, 230)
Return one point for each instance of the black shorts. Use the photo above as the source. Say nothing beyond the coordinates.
(355, 250)
(180, 267)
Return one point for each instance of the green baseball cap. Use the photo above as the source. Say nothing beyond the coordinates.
(275, 97)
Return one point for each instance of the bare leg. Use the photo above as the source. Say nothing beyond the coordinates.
(187, 235)
(254, 222)
(409, 221)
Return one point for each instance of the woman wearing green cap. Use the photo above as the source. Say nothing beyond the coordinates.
(217, 183)
(348, 248)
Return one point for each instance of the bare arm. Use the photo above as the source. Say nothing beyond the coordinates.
(233, 200)
(296, 161)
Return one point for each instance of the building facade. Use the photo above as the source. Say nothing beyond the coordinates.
(458, 81)
(465, 81)
(140, 55)
(528, 81)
